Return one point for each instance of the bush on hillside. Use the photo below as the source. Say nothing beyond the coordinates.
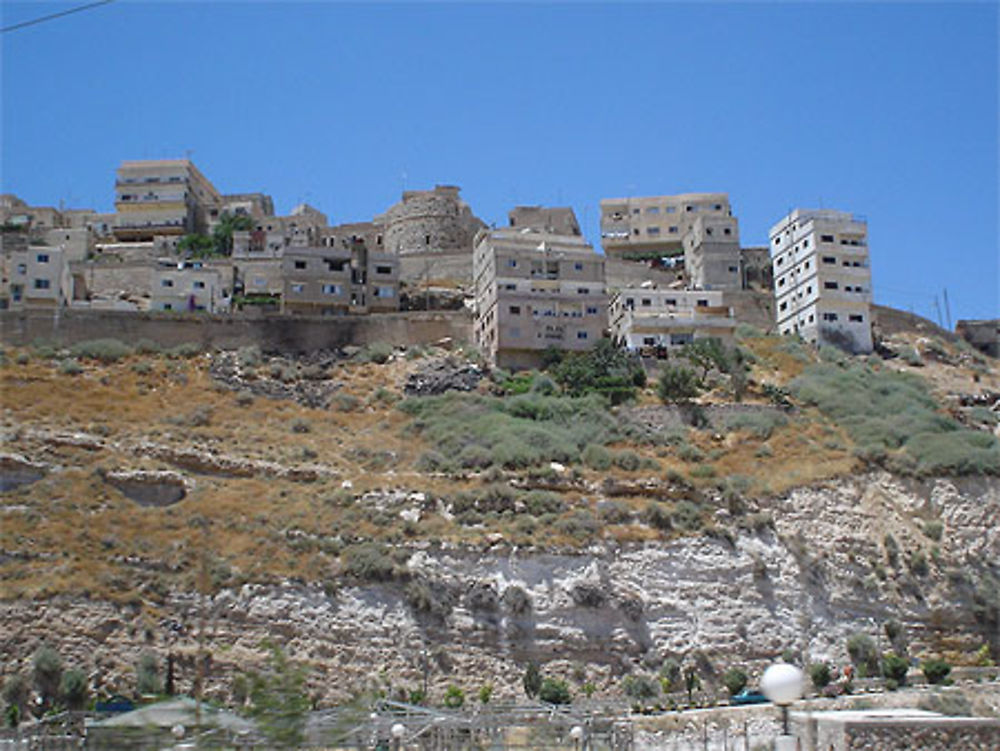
(761, 424)
(935, 670)
(104, 350)
(607, 370)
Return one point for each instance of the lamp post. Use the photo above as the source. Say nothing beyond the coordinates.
(576, 734)
(783, 684)
(397, 731)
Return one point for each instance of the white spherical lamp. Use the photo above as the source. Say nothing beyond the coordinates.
(783, 683)
(576, 733)
(398, 730)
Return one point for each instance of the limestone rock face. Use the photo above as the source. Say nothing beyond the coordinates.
(469, 616)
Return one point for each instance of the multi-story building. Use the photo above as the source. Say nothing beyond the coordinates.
(654, 226)
(162, 197)
(822, 280)
(35, 277)
(712, 252)
(188, 286)
(536, 290)
(653, 321)
(338, 280)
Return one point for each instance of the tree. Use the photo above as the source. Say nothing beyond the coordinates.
(73, 689)
(532, 680)
(691, 683)
(554, 691)
(47, 669)
(863, 654)
(454, 697)
(706, 354)
(196, 246)
(147, 675)
(222, 235)
(278, 700)
(894, 668)
(935, 670)
(678, 384)
(735, 680)
(485, 693)
(670, 675)
(819, 674)
(606, 369)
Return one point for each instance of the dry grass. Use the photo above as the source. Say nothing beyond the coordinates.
(72, 532)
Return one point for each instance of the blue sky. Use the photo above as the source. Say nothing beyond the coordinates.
(886, 110)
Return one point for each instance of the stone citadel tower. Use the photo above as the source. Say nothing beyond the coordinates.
(430, 221)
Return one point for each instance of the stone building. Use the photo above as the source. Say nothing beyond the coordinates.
(535, 290)
(559, 220)
(34, 277)
(162, 197)
(654, 226)
(188, 286)
(430, 221)
(712, 252)
(653, 321)
(983, 335)
(822, 280)
(339, 280)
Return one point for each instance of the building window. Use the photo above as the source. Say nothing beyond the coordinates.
(733, 269)
(648, 341)
(829, 316)
(717, 207)
(22, 268)
(41, 284)
(702, 303)
(331, 289)
(670, 301)
(805, 243)
(384, 292)
(653, 210)
(830, 260)
(583, 291)
(783, 306)
(708, 230)
(591, 311)
(581, 334)
(427, 239)
(673, 230)
(811, 318)
(166, 282)
(727, 231)
(515, 310)
(781, 282)
(646, 302)
(298, 288)
(856, 318)
(300, 264)
(383, 269)
(199, 285)
(830, 285)
(510, 287)
(512, 263)
(42, 258)
(578, 267)
(671, 209)
(826, 238)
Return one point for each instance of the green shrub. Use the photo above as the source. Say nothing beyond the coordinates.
(346, 402)
(658, 517)
(640, 688)
(628, 461)
(607, 370)
(554, 691)
(678, 384)
(735, 680)
(690, 453)
(760, 424)
(300, 425)
(597, 457)
(892, 415)
(934, 529)
(935, 670)
(69, 366)
(23, 358)
(454, 697)
(369, 562)
(819, 674)
(918, 563)
(580, 525)
(142, 368)
(702, 472)
(376, 352)
(185, 350)
(687, 516)
(894, 668)
(147, 347)
(104, 350)
(73, 689)
(518, 432)
(249, 357)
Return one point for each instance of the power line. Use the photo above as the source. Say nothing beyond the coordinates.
(52, 16)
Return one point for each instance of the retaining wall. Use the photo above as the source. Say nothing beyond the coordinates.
(65, 327)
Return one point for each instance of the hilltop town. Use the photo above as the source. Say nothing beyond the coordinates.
(672, 270)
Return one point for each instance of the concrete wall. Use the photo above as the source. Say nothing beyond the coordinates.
(417, 267)
(271, 333)
(946, 734)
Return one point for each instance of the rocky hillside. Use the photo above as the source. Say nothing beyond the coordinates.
(390, 516)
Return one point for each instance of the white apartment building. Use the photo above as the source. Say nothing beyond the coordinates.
(654, 226)
(536, 290)
(822, 280)
(650, 321)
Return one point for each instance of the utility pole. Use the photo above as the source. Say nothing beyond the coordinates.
(938, 306)
(947, 309)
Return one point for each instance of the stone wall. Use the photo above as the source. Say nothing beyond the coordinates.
(944, 734)
(271, 333)
(417, 267)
